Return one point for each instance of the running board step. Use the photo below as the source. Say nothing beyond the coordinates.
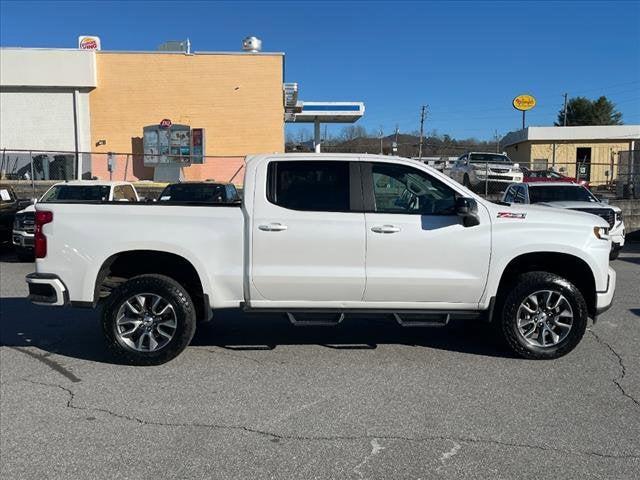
(300, 321)
(422, 320)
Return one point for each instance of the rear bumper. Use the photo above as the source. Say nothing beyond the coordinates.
(604, 299)
(22, 239)
(47, 289)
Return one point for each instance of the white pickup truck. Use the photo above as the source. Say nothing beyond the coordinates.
(318, 236)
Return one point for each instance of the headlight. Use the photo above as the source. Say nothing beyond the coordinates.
(601, 233)
(479, 166)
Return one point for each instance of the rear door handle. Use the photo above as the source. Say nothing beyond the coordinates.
(385, 229)
(272, 227)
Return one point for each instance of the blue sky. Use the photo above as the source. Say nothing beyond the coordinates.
(466, 60)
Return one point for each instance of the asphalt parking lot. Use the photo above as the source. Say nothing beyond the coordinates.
(255, 397)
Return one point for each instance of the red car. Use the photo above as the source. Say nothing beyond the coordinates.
(530, 176)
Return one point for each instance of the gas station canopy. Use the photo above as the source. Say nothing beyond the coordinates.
(327, 112)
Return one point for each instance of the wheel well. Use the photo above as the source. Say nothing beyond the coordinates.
(122, 266)
(567, 266)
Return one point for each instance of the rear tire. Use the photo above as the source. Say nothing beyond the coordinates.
(155, 307)
(615, 252)
(466, 182)
(25, 255)
(548, 337)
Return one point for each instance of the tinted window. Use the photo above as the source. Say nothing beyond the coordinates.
(560, 193)
(519, 196)
(194, 192)
(489, 157)
(77, 193)
(309, 185)
(402, 189)
(509, 196)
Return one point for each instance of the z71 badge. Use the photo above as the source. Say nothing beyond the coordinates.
(519, 216)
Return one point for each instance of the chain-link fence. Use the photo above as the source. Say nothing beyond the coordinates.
(32, 172)
(36, 170)
(618, 178)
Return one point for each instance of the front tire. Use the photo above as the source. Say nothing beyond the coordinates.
(148, 320)
(544, 316)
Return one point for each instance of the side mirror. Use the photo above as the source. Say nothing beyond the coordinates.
(467, 208)
(516, 165)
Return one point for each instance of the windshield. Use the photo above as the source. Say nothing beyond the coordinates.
(488, 157)
(195, 192)
(560, 193)
(77, 193)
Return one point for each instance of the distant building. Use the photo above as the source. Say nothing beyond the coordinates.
(69, 100)
(589, 152)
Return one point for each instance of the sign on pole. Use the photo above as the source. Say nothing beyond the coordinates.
(523, 103)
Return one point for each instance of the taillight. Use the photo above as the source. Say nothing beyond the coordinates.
(40, 241)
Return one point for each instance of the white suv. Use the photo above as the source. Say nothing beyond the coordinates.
(475, 169)
(572, 197)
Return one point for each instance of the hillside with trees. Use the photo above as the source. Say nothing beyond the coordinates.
(355, 139)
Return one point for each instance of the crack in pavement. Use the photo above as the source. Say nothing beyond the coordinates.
(462, 439)
(623, 369)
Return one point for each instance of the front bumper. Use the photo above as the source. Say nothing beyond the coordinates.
(22, 239)
(604, 299)
(47, 289)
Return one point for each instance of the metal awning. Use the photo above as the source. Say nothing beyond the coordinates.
(328, 112)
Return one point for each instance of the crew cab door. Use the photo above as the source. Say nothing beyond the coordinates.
(418, 249)
(308, 236)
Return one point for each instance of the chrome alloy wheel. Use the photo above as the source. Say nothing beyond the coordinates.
(146, 322)
(545, 318)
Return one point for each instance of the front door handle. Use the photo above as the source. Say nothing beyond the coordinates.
(272, 227)
(385, 229)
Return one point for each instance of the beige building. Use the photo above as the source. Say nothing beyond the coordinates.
(590, 152)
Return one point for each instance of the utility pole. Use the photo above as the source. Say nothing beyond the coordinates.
(423, 113)
(381, 134)
(495, 135)
(564, 115)
(395, 143)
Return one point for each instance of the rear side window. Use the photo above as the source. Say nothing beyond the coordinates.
(309, 185)
(77, 193)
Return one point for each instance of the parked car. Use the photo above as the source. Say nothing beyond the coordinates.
(571, 197)
(475, 169)
(9, 205)
(72, 191)
(318, 236)
(549, 176)
(199, 192)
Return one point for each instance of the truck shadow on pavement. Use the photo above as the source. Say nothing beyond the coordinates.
(77, 333)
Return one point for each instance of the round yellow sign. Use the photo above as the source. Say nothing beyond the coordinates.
(524, 102)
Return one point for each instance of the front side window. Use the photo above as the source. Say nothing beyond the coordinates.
(309, 185)
(519, 194)
(403, 189)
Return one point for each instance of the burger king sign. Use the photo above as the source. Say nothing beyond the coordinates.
(88, 42)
